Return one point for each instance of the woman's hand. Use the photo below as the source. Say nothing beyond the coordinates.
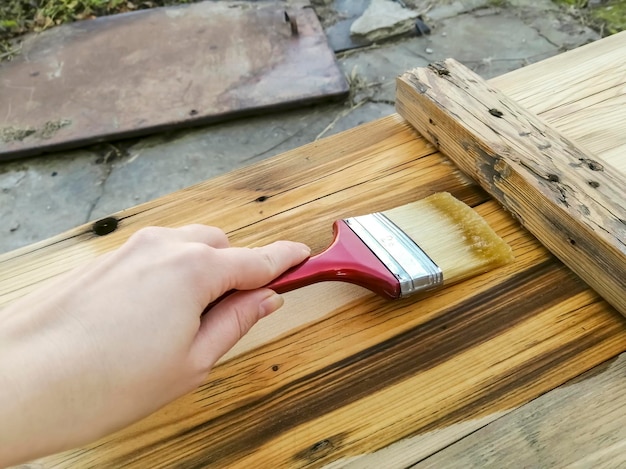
(111, 342)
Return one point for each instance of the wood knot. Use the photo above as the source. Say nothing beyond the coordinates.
(320, 445)
(322, 448)
(496, 113)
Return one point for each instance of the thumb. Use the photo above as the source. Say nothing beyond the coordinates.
(228, 321)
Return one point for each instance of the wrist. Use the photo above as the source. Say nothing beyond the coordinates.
(25, 431)
(18, 443)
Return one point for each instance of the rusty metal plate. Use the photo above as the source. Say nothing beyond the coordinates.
(145, 71)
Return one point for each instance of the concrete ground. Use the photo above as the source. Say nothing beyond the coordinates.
(46, 195)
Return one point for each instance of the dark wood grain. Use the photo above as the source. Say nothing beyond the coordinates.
(416, 350)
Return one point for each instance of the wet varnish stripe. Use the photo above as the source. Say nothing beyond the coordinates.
(227, 438)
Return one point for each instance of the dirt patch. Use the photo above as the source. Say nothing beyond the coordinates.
(16, 134)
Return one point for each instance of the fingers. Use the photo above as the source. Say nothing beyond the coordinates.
(227, 322)
(231, 318)
(204, 234)
(196, 233)
(245, 269)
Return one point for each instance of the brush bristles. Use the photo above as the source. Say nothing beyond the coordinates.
(453, 235)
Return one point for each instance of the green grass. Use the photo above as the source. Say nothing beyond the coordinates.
(612, 15)
(18, 17)
(607, 16)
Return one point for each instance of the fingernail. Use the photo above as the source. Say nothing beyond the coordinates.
(306, 250)
(270, 304)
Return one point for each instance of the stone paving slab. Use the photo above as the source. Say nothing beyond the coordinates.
(93, 182)
(220, 60)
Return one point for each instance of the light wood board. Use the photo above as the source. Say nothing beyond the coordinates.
(338, 377)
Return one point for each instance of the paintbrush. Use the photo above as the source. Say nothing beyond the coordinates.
(423, 245)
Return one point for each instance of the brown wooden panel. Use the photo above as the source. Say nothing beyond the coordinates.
(351, 373)
(339, 376)
(143, 71)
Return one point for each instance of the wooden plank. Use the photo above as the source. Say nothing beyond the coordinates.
(553, 84)
(578, 425)
(365, 373)
(596, 89)
(338, 377)
(108, 77)
(570, 199)
(599, 115)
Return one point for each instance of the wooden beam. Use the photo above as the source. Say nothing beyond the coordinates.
(568, 198)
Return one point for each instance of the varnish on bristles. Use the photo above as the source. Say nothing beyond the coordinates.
(453, 235)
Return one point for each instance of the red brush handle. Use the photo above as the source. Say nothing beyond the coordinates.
(347, 259)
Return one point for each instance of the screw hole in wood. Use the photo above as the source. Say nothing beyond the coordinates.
(592, 164)
(320, 445)
(105, 226)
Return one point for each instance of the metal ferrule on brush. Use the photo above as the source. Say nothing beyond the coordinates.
(414, 270)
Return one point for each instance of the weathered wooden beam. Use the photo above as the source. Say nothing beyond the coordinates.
(566, 197)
